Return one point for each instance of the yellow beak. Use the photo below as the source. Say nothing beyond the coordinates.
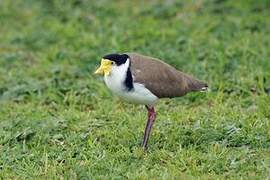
(105, 67)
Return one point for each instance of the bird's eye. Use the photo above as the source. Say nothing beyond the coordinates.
(112, 63)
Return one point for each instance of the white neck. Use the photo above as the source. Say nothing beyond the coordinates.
(115, 81)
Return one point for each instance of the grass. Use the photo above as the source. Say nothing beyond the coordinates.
(57, 120)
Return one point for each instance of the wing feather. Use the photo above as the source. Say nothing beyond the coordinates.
(161, 79)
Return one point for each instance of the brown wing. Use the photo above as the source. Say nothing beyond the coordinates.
(161, 79)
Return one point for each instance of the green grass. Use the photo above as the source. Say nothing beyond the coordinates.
(57, 120)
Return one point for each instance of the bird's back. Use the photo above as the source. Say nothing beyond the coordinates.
(161, 79)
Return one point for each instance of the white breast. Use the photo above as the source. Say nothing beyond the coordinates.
(139, 95)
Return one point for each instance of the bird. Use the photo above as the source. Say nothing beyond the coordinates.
(143, 80)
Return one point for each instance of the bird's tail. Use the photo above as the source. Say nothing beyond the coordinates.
(196, 85)
(205, 88)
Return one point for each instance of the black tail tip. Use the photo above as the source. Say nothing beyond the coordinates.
(205, 88)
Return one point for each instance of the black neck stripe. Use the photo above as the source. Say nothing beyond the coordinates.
(129, 80)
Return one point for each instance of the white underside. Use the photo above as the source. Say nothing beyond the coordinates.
(138, 95)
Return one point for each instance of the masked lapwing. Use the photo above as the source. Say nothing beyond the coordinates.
(144, 80)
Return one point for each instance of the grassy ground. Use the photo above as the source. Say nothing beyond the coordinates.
(58, 120)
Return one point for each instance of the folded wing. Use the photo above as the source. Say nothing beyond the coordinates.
(161, 79)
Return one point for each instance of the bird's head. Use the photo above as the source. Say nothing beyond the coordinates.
(109, 62)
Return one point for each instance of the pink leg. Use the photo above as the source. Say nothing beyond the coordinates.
(150, 122)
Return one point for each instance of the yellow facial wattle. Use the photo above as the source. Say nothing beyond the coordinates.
(105, 67)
